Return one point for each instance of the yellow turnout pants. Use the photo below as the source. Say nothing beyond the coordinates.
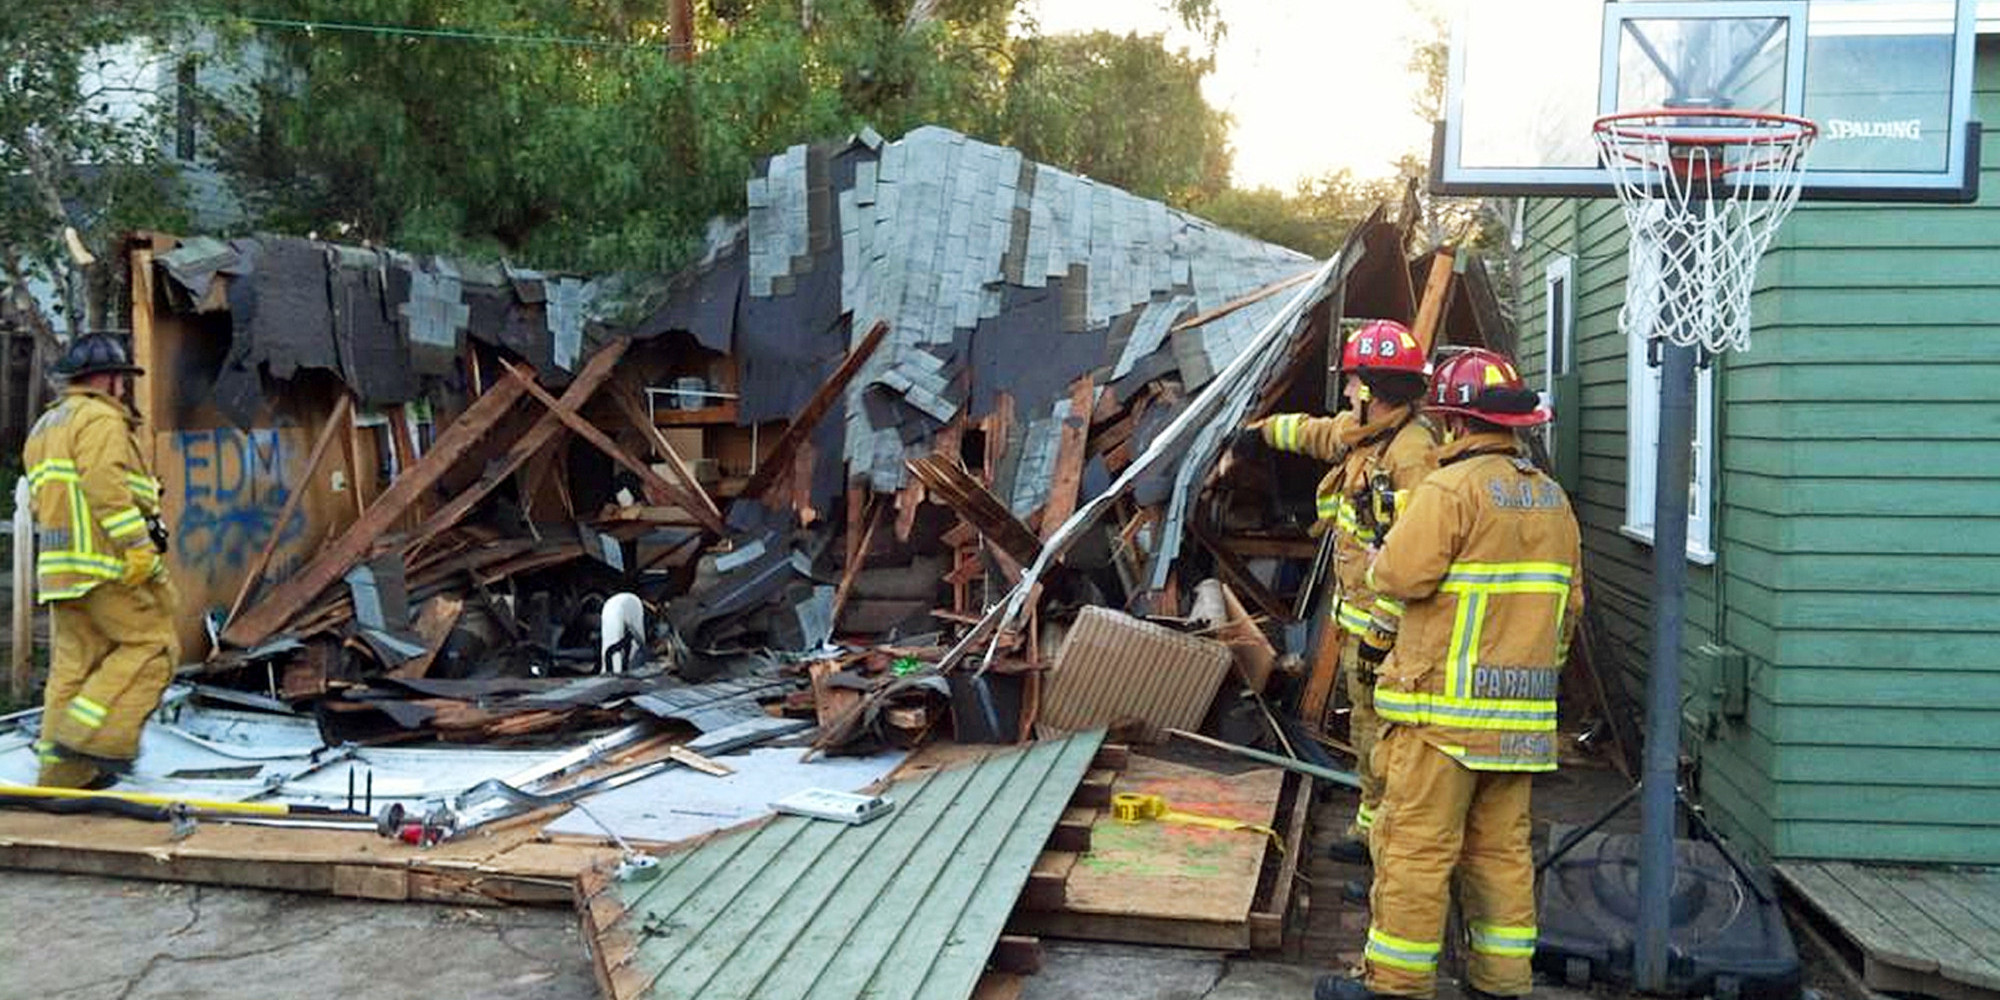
(1439, 817)
(1363, 727)
(115, 650)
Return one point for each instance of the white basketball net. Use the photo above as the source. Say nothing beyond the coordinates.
(1700, 216)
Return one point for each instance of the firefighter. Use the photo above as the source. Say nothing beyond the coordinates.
(1487, 557)
(1382, 447)
(99, 569)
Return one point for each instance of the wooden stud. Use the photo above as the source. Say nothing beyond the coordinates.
(342, 414)
(1047, 889)
(295, 592)
(1072, 832)
(1068, 477)
(1112, 757)
(1018, 954)
(855, 561)
(635, 411)
(1321, 675)
(1094, 791)
(823, 398)
(603, 443)
(1231, 306)
(1430, 312)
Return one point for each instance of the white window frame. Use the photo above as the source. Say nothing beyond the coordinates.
(1642, 425)
(1558, 325)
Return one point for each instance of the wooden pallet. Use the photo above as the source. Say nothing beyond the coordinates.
(502, 864)
(1908, 930)
(1168, 884)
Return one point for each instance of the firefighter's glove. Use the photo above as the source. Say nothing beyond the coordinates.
(1370, 653)
(141, 564)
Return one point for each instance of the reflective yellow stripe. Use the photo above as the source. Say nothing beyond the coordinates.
(1392, 607)
(1364, 817)
(1327, 505)
(1285, 431)
(1481, 762)
(125, 524)
(1500, 939)
(1419, 709)
(86, 711)
(1400, 953)
(79, 562)
(1352, 618)
(145, 487)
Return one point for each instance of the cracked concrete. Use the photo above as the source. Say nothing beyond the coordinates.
(78, 938)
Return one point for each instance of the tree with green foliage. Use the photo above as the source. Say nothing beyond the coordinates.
(1119, 109)
(568, 135)
(81, 156)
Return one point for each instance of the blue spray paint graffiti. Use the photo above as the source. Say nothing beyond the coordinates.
(232, 490)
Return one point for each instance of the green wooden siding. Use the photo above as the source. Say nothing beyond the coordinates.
(1856, 521)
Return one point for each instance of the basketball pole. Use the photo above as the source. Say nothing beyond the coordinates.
(1659, 777)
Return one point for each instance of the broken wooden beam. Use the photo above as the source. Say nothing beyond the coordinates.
(828, 393)
(1238, 576)
(260, 620)
(628, 402)
(1068, 475)
(1430, 312)
(955, 488)
(337, 421)
(594, 374)
(1231, 306)
(603, 443)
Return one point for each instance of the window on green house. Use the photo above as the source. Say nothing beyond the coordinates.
(1642, 430)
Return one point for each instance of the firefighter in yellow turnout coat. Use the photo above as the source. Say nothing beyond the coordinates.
(1383, 449)
(98, 567)
(1488, 558)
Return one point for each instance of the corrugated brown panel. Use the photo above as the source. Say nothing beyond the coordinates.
(1113, 667)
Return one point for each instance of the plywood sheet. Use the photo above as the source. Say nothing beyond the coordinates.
(1176, 871)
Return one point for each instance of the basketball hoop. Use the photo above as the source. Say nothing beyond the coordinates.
(1704, 192)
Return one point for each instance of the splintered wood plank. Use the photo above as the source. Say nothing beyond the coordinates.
(1430, 311)
(1068, 480)
(594, 374)
(267, 616)
(338, 421)
(653, 481)
(823, 398)
(1321, 674)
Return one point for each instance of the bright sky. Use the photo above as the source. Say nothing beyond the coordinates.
(1314, 85)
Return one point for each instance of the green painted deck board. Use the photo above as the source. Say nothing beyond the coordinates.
(907, 906)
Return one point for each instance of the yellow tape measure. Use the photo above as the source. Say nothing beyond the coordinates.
(1135, 807)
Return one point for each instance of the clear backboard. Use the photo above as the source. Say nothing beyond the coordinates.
(1888, 82)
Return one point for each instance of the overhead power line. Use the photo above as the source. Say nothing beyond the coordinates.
(453, 34)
